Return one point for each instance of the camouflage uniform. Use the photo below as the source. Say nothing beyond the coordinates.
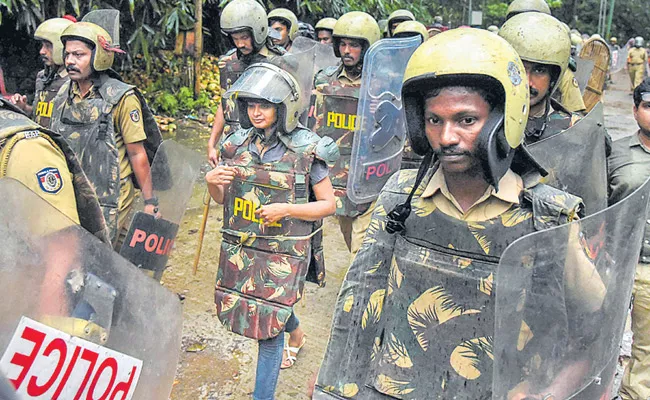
(43, 161)
(554, 121)
(88, 125)
(262, 269)
(46, 89)
(415, 315)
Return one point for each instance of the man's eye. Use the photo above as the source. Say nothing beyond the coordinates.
(468, 120)
(433, 120)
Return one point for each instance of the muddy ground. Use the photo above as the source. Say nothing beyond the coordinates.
(217, 364)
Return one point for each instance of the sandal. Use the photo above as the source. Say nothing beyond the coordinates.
(292, 353)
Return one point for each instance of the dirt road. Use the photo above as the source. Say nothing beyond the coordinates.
(216, 364)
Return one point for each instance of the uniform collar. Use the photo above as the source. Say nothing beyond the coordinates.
(635, 141)
(63, 73)
(76, 92)
(510, 187)
(344, 74)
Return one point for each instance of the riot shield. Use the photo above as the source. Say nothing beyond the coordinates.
(584, 68)
(575, 160)
(150, 239)
(323, 53)
(561, 302)
(619, 60)
(598, 51)
(78, 320)
(381, 126)
(108, 19)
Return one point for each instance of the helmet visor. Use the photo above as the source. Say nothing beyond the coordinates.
(263, 83)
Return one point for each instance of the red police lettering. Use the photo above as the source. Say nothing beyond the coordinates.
(378, 171)
(91, 357)
(124, 387)
(152, 242)
(138, 237)
(68, 371)
(108, 363)
(33, 389)
(26, 361)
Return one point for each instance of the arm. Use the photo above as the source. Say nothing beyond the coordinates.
(20, 101)
(324, 206)
(142, 171)
(215, 136)
(218, 180)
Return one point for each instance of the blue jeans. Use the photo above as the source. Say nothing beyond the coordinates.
(269, 360)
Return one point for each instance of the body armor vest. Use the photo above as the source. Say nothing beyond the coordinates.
(410, 159)
(232, 69)
(15, 127)
(44, 97)
(339, 118)
(425, 322)
(558, 120)
(262, 269)
(89, 128)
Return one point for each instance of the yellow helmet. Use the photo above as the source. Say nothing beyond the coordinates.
(326, 23)
(102, 58)
(576, 39)
(355, 25)
(286, 16)
(398, 15)
(613, 40)
(411, 28)
(539, 38)
(51, 31)
(240, 15)
(493, 29)
(522, 6)
(268, 82)
(458, 57)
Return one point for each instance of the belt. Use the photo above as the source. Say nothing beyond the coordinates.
(635, 63)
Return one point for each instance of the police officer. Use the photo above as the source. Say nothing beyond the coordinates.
(52, 77)
(107, 124)
(337, 90)
(285, 23)
(324, 29)
(613, 42)
(396, 17)
(522, 6)
(544, 47)
(629, 167)
(411, 28)
(274, 187)
(414, 317)
(493, 29)
(246, 25)
(41, 160)
(637, 58)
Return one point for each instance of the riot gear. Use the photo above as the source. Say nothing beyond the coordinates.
(98, 38)
(287, 17)
(494, 64)
(326, 23)
(411, 28)
(240, 15)
(398, 16)
(279, 88)
(356, 25)
(51, 31)
(539, 38)
(613, 40)
(522, 6)
(638, 41)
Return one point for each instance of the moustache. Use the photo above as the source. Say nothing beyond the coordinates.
(451, 151)
(71, 68)
(533, 92)
(44, 58)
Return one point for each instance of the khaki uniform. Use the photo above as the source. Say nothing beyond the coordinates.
(570, 95)
(637, 58)
(352, 228)
(629, 166)
(128, 129)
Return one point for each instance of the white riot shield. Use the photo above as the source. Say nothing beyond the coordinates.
(381, 125)
(150, 240)
(584, 68)
(619, 59)
(561, 301)
(78, 321)
(301, 66)
(323, 53)
(576, 161)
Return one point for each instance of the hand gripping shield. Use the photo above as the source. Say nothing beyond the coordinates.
(575, 160)
(381, 127)
(78, 320)
(561, 302)
(150, 240)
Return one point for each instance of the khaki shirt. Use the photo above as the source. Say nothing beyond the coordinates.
(41, 166)
(127, 118)
(570, 95)
(637, 55)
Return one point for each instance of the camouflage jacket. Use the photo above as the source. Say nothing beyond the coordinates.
(90, 214)
(415, 315)
(336, 117)
(88, 127)
(44, 95)
(557, 120)
(262, 269)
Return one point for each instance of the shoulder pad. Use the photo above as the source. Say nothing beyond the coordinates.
(327, 150)
(324, 75)
(112, 90)
(238, 137)
(552, 207)
(303, 140)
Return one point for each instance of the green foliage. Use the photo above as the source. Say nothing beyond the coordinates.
(166, 103)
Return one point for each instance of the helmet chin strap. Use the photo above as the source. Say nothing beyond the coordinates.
(535, 131)
(493, 149)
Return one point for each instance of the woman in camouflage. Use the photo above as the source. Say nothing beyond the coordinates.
(274, 185)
